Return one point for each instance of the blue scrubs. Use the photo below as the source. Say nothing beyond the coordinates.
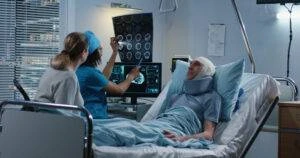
(92, 83)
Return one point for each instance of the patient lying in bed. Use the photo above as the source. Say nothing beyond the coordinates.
(189, 122)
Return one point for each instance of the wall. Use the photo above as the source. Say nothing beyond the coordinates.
(187, 32)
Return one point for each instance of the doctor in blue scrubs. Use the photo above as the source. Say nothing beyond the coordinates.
(94, 83)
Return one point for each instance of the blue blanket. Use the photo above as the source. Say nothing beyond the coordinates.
(125, 132)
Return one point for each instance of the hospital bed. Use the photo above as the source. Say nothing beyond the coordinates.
(23, 134)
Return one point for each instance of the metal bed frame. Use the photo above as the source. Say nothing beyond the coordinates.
(89, 125)
(290, 82)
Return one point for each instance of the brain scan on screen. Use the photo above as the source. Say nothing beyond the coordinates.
(148, 82)
(140, 79)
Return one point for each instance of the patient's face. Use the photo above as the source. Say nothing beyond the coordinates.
(194, 69)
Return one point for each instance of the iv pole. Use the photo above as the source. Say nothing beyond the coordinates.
(245, 37)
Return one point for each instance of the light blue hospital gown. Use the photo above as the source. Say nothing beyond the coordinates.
(200, 96)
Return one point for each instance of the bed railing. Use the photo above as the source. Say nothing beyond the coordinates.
(291, 83)
(37, 105)
(272, 125)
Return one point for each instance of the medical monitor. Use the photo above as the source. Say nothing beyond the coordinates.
(173, 64)
(147, 84)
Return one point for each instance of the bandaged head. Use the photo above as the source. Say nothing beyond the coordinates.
(208, 68)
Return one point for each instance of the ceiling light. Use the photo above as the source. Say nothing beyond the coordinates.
(123, 6)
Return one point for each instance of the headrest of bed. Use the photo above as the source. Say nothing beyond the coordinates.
(226, 82)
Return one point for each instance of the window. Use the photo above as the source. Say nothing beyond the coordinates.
(7, 48)
(30, 40)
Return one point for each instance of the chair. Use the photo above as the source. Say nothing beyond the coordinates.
(21, 90)
(25, 96)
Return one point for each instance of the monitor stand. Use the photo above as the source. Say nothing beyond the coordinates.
(133, 100)
(133, 103)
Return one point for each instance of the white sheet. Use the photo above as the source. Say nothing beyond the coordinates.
(230, 137)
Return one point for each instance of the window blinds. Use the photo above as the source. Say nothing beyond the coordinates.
(35, 39)
(7, 48)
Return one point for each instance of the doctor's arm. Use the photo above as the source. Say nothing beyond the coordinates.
(110, 64)
(123, 86)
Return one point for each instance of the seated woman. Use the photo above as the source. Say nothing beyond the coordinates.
(189, 121)
(59, 83)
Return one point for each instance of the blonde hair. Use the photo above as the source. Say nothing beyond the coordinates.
(74, 44)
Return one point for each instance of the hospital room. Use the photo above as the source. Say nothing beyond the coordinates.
(149, 78)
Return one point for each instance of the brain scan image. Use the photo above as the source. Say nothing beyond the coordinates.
(140, 79)
(147, 55)
(129, 29)
(129, 37)
(129, 55)
(138, 37)
(118, 21)
(138, 46)
(138, 55)
(129, 46)
(138, 28)
(135, 33)
(138, 18)
(147, 37)
(120, 46)
(119, 29)
(147, 46)
(128, 19)
(120, 38)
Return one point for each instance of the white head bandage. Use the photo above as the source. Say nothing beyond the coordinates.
(208, 68)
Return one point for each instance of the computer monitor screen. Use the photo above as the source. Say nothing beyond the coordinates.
(173, 66)
(147, 84)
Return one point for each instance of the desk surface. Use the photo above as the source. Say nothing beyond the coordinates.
(289, 103)
(130, 111)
